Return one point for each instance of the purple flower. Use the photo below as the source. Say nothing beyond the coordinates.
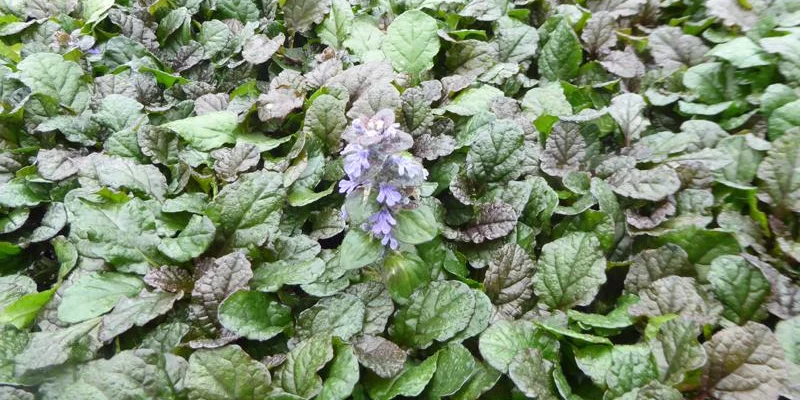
(382, 222)
(390, 240)
(347, 186)
(389, 195)
(409, 168)
(93, 51)
(358, 127)
(356, 163)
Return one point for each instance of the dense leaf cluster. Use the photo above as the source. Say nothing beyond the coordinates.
(374, 199)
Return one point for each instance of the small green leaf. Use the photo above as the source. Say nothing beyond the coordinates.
(96, 294)
(226, 373)
(503, 340)
(208, 131)
(561, 54)
(23, 312)
(571, 270)
(254, 315)
(436, 311)
(409, 383)
(740, 287)
(412, 42)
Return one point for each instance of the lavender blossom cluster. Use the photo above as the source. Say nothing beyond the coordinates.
(375, 158)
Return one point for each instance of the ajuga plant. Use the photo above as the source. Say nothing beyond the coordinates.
(376, 162)
(378, 199)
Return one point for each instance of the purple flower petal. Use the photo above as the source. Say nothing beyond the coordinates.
(382, 222)
(409, 168)
(389, 195)
(356, 163)
(347, 186)
(390, 240)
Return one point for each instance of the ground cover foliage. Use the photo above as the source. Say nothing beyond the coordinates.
(376, 199)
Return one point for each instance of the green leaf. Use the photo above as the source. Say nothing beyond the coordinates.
(473, 100)
(140, 373)
(743, 362)
(436, 311)
(418, 225)
(652, 391)
(546, 100)
(740, 287)
(325, 118)
(652, 184)
(49, 349)
(342, 374)
(516, 41)
(746, 153)
(631, 366)
(785, 47)
(138, 311)
(12, 287)
(788, 334)
(14, 220)
(677, 351)
(561, 55)
(298, 374)
(193, 240)
(359, 249)
(208, 131)
(627, 110)
(12, 342)
(378, 302)
(12, 393)
(571, 270)
(675, 295)
(122, 233)
(671, 48)
(702, 245)
(254, 315)
(49, 74)
(269, 277)
(226, 373)
(404, 274)
(709, 82)
(412, 42)
(53, 222)
(496, 153)
(243, 10)
(742, 52)
(617, 318)
(21, 193)
(248, 210)
(300, 15)
(483, 379)
(653, 264)
(336, 27)
(340, 315)
(409, 383)
(503, 340)
(454, 366)
(365, 40)
(117, 172)
(532, 374)
(779, 173)
(95, 294)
